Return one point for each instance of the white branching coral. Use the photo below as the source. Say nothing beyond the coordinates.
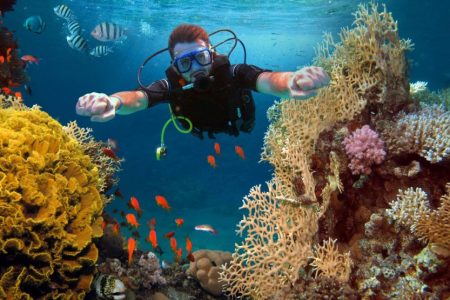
(417, 87)
(408, 207)
(429, 132)
(328, 262)
(412, 209)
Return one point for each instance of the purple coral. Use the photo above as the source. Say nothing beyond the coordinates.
(364, 148)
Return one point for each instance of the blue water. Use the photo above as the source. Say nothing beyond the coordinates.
(279, 35)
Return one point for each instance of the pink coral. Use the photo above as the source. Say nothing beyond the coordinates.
(364, 148)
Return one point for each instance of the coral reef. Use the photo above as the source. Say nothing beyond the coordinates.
(314, 199)
(50, 207)
(12, 67)
(205, 268)
(143, 274)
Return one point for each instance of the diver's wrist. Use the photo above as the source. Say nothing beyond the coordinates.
(116, 101)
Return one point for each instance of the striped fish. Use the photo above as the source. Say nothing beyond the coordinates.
(107, 32)
(63, 11)
(100, 51)
(77, 42)
(74, 27)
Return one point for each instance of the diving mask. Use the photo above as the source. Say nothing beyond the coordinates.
(202, 56)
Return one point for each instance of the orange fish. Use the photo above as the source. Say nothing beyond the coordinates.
(212, 161)
(8, 54)
(169, 234)
(152, 238)
(131, 247)
(162, 202)
(188, 245)
(179, 222)
(132, 220)
(134, 204)
(13, 84)
(217, 148)
(239, 151)
(179, 253)
(173, 244)
(108, 152)
(18, 94)
(2, 59)
(116, 228)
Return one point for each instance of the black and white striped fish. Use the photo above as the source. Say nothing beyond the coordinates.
(63, 11)
(77, 42)
(74, 27)
(101, 50)
(107, 32)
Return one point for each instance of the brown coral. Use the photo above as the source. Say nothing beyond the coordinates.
(50, 209)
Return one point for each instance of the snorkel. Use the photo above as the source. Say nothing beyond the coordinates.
(202, 82)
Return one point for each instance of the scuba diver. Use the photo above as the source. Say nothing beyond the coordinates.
(204, 91)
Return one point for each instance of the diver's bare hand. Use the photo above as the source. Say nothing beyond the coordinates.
(306, 81)
(100, 107)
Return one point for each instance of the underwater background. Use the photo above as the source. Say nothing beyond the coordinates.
(278, 35)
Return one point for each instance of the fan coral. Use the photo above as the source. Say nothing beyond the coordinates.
(50, 209)
(276, 248)
(364, 148)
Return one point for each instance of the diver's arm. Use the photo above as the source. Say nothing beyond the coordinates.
(274, 83)
(301, 84)
(129, 102)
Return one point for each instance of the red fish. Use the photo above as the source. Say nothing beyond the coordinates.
(169, 234)
(162, 202)
(30, 59)
(2, 59)
(217, 148)
(239, 151)
(131, 247)
(179, 222)
(118, 193)
(7, 90)
(108, 152)
(134, 204)
(131, 219)
(191, 257)
(212, 161)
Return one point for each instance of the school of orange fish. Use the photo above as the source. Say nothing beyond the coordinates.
(161, 201)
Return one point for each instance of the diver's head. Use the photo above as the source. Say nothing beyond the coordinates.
(191, 53)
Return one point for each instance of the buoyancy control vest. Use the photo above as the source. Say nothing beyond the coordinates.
(223, 107)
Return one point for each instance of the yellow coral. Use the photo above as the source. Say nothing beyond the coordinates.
(50, 208)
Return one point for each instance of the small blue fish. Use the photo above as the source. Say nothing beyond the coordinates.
(34, 24)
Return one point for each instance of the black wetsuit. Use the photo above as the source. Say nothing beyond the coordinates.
(227, 106)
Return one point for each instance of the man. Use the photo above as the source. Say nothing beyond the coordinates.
(203, 89)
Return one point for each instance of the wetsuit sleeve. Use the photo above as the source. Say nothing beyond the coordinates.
(157, 92)
(246, 75)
